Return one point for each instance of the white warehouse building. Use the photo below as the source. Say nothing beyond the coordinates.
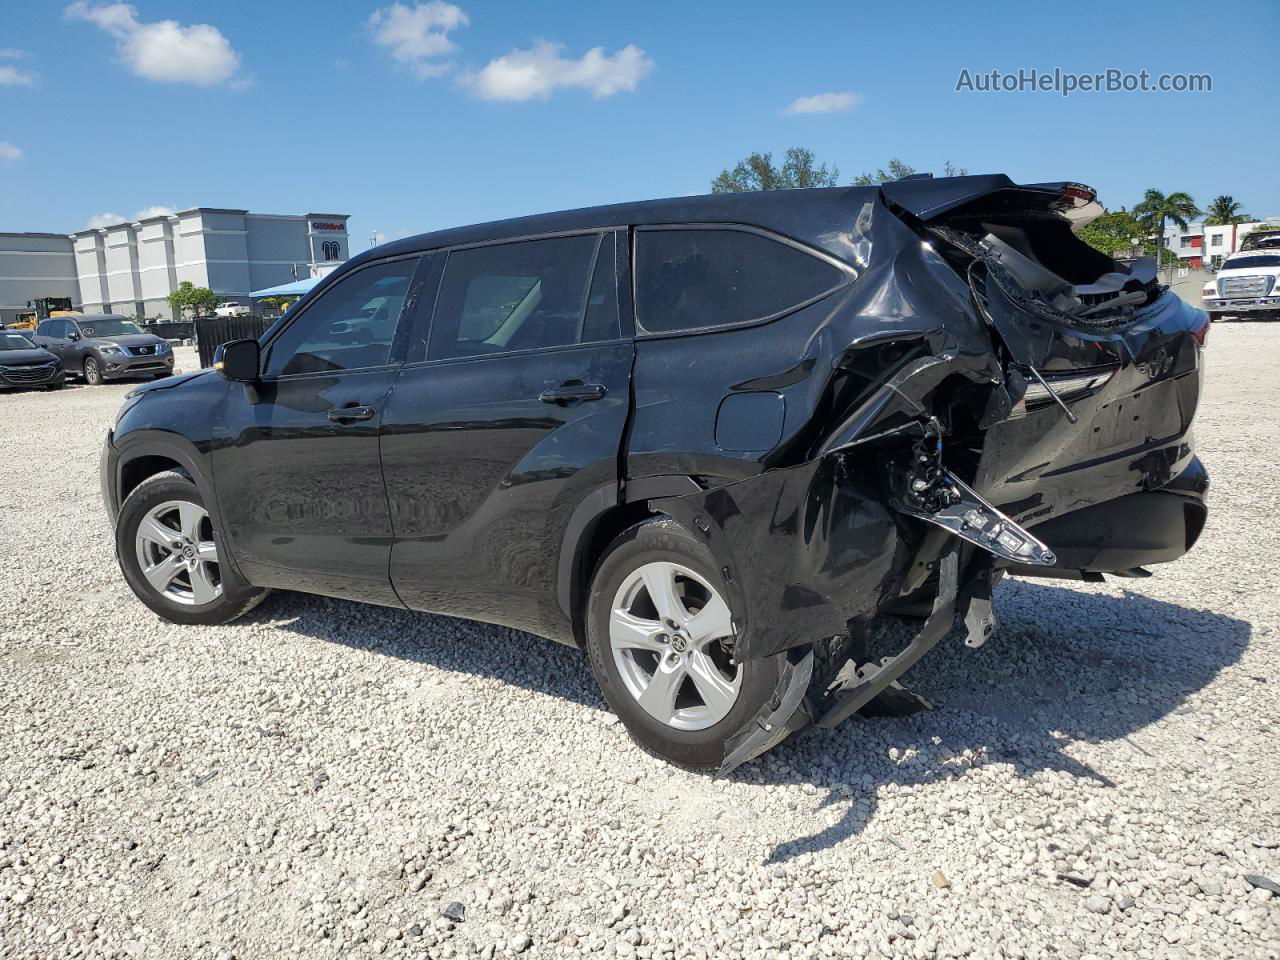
(131, 267)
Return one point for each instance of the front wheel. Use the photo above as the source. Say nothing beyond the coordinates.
(169, 554)
(92, 372)
(660, 638)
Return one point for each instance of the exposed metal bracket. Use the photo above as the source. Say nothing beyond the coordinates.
(856, 695)
(771, 724)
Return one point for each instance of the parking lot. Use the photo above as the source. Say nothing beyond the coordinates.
(323, 779)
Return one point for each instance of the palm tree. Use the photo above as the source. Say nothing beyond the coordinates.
(1223, 211)
(1155, 208)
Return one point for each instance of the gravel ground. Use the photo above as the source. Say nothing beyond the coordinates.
(325, 779)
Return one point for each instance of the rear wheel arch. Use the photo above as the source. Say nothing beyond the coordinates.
(586, 541)
(594, 525)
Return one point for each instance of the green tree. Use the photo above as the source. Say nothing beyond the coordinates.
(1115, 231)
(1224, 210)
(897, 170)
(758, 172)
(190, 297)
(1155, 208)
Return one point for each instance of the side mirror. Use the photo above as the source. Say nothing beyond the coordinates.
(73, 335)
(238, 361)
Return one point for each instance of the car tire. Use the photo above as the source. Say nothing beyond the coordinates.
(691, 731)
(91, 372)
(182, 580)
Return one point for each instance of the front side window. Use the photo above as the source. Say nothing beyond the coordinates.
(690, 279)
(350, 326)
(515, 296)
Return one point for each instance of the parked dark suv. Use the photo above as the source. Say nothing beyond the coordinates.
(23, 364)
(708, 439)
(104, 346)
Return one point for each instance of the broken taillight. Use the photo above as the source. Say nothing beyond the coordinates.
(1079, 193)
(1067, 387)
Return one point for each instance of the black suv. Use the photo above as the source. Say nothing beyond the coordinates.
(708, 439)
(104, 346)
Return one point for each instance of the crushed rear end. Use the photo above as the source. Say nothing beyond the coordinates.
(1002, 398)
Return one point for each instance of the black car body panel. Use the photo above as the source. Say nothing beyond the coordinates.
(806, 446)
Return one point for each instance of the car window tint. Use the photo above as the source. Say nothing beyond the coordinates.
(601, 322)
(700, 279)
(44, 329)
(350, 326)
(512, 296)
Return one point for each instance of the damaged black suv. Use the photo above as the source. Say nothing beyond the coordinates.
(708, 439)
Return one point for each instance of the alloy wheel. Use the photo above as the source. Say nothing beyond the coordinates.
(669, 632)
(177, 555)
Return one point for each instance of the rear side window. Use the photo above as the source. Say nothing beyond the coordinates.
(519, 296)
(700, 279)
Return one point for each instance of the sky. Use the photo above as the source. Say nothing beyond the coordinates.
(416, 116)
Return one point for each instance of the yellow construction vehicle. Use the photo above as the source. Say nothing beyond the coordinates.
(42, 308)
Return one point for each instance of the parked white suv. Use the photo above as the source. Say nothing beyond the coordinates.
(231, 309)
(1247, 284)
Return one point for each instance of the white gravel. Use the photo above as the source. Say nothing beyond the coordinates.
(323, 779)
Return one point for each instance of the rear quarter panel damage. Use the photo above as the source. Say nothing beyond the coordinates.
(803, 530)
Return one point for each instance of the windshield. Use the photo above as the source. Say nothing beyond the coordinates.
(14, 341)
(1252, 263)
(108, 327)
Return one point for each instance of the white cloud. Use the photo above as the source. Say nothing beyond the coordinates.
(540, 71)
(164, 50)
(825, 103)
(111, 219)
(158, 210)
(9, 152)
(103, 220)
(418, 36)
(9, 74)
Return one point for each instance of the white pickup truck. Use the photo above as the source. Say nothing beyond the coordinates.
(1247, 285)
(231, 309)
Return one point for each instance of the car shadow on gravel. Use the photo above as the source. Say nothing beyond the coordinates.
(1066, 666)
(447, 643)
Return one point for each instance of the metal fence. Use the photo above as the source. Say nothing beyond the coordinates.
(172, 329)
(212, 332)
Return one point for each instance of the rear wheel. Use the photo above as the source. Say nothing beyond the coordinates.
(168, 552)
(92, 372)
(660, 636)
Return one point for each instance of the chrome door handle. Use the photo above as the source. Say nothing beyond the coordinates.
(354, 412)
(573, 392)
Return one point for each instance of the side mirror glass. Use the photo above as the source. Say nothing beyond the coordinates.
(73, 335)
(238, 360)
